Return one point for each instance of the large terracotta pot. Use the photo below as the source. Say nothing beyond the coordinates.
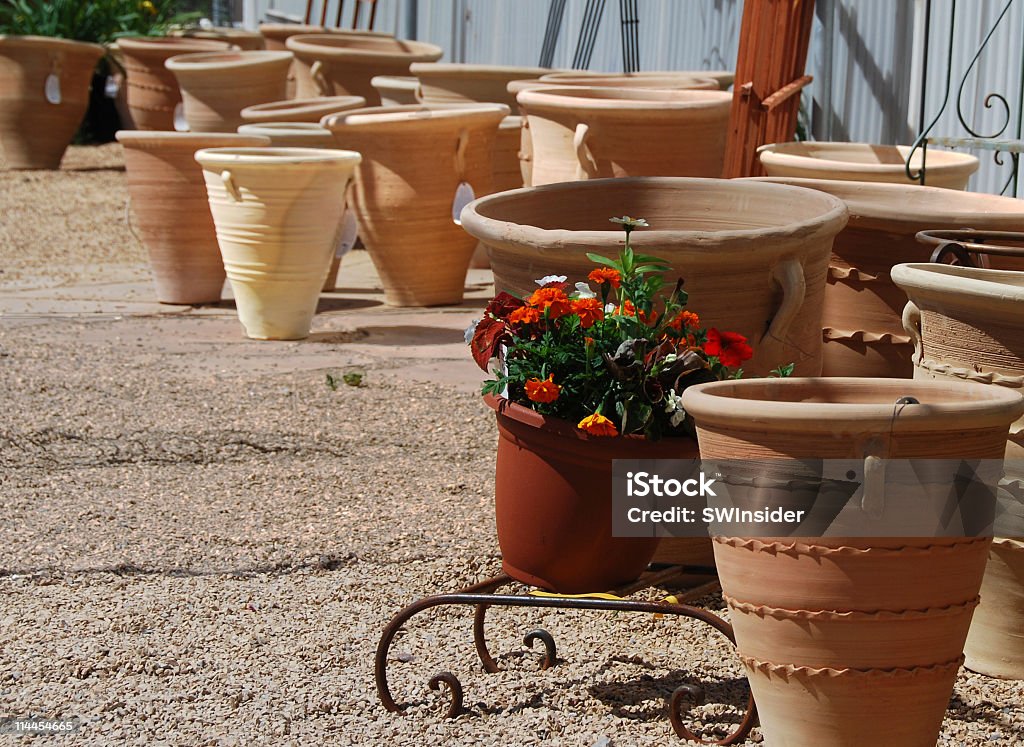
(397, 90)
(35, 128)
(655, 79)
(153, 95)
(168, 197)
(249, 41)
(415, 158)
(844, 639)
(589, 133)
(300, 110)
(506, 172)
(864, 162)
(336, 65)
(216, 86)
(277, 213)
(456, 83)
(754, 256)
(995, 643)
(277, 35)
(553, 501)
(864, 335)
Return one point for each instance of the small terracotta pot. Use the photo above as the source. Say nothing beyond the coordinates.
(553, 501)
(863, 162)
(169, 201)
(590, 133)
(337, 65)
(655, 79)
(153, 95)
(216, 86)
(277, 35)
(397, 90)
(415, 158)
(300, 110)
(248, 41)
(35, 129)
(277, 213)
(457, 83)
(754, 259)
(995, 644)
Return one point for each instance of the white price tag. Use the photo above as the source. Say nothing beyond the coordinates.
(463, 196)
(52, 88)
(349, 233)
(180, 123)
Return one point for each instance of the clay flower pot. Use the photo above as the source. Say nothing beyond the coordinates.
(300, 110)
(589, 133)
(414, 160)
(506, 172)
(216, 86)
(291, 134)
(994, 646)
(863, 331)
(456, 83)
(278, 34)
(844, 639)
(172, 215)
(553, 501)
(754, 256)
(397, 90)
(336, 64)
(248, 41)
(863, 162)
(153, 95)
(44, 92)
(277, 213)
(655, 79)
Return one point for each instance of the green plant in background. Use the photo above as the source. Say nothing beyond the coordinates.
(98, 21)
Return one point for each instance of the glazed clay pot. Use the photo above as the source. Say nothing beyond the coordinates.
(655, 79)
(248, 41)
(995, 644)
(216, 86)
(553, 501)
(455, 83)
(844, 639)
(863, 162)
(754, 256)
(336, 65)
(589, 133)
(36, 128)
(153, 95)
(863, 331)
(397, 90)
(172, 215)
(278, 213)
(414, 159)
(300, 110)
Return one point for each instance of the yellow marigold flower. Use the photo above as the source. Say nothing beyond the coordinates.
(598, 425)
(544, 391)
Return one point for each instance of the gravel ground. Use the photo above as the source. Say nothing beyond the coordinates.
(198, 555)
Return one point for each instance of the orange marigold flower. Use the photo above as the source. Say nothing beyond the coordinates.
(685, 320)
(598, 425)
(605, 275)
(589, 310)
(543, 390)
(627, 308)
(552, 299)
(525, 315)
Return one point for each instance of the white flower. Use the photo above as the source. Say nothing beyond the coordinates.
(470, 331)
(583, 291)
(609, 308)
(630, 223)
(674, 406)
(550, 279)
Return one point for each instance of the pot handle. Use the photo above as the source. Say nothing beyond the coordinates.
(316, 72)
(460, 154)
(586, 166)
(872, 500)
(229, 184)
(789, 274)
(912, 325)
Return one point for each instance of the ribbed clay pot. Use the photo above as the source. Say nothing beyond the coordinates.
(278, 213)
(277, 35)
(457, 83)
(216, 86)
(846, 639)
(336, 65)
(754, 256)
(590, 133)
(248, 41)
(553, 501)
(301, 110)
(153, 95)
(654, 79)
(172, 214)
(35, 129)
(414, 159)
(397, 90)
(863, 331)
(864, 162)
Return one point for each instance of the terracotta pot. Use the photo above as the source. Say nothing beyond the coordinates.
(277, 213)
(863, 331)
(553, 501)
(291, 134)
(415, 158)
(456, 83)
(506, 173)
(995, 644)
(656, 79)
(822, 622)
(300, 110)
(35, 132)
(589, 133)
(754, 256)
(153, 95)
(172, 215)
(336, 65)
(396, 90)
(216, 86)
(248, 41)
(863, 162)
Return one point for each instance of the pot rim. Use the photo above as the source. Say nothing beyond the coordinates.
(948, 285)
(440, 70)
(649, 81)
(740, 241)
(240, 59)
(781, 154)
(53, 42)
(275, 157)
(325, 104)
(283, 129)
(157, 139)
(639, 74)
(186, 44)
(373, 117)
(309, 29)
(646, 100)
(403, 82)
(318, 45)
(715, 404)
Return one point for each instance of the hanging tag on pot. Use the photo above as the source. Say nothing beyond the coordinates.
(463, 196)
(349, 234)
(180, 123)
(111, 87)
(52, 88)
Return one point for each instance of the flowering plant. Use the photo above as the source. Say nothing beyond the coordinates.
(614, 360)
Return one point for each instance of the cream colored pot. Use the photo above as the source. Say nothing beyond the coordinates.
(397, 90)
(300, 110)
(456, 83)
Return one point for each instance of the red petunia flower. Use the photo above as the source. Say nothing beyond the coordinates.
(731, 348)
